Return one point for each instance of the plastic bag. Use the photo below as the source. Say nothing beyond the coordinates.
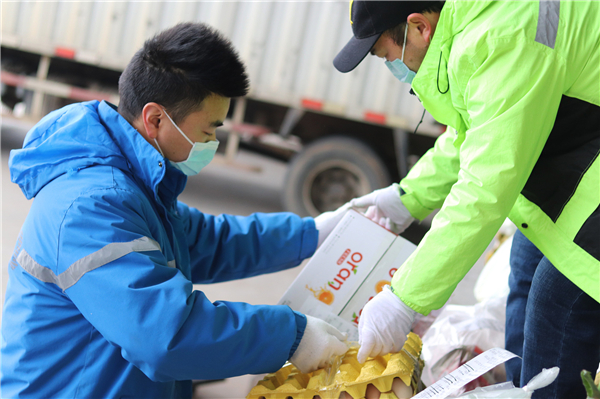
(508, 390)
(493, 278)
(458, 334)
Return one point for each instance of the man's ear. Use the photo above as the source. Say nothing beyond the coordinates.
(422, 26)
(152, 113)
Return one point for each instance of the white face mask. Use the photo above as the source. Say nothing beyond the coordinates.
(399, 68)
(200, 155)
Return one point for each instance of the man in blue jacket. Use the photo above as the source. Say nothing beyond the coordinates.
(99, 302)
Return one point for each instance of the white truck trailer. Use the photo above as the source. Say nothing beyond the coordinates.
(344, 135)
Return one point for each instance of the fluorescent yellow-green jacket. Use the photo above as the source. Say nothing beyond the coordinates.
(496, 73)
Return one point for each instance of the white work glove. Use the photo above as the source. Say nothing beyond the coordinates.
(384, 323)
(320, 343)
(385, 208)
(326, 222)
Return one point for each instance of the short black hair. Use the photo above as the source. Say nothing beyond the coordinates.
(397, 32)
(178, 68)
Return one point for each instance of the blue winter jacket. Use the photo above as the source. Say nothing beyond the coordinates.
(100, 302)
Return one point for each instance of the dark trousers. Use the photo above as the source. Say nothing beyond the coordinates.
(549, 322)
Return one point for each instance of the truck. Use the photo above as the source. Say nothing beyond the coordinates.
(342, 135)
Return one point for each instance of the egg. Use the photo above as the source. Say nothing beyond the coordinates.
(401, 390)
(372, 392)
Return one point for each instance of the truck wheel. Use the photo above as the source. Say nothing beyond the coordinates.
(330, 172)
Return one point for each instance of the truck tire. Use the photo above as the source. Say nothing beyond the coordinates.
(328, 173)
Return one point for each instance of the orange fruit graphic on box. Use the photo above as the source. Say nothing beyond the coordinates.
(323, 294)
(380, 284)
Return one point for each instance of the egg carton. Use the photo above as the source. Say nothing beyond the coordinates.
(391, 376)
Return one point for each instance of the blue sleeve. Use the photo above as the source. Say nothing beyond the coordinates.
(226, 247)
(151, 311)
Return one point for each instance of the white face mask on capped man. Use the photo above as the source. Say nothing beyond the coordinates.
(200, 155)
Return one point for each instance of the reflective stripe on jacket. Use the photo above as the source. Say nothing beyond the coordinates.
(100, 301)
(518, 84)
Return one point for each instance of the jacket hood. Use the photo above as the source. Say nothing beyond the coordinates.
(79, 136)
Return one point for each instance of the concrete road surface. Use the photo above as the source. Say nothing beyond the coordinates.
(217, 189)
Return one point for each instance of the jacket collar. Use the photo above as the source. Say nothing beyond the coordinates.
(432, 82)
(146, 163)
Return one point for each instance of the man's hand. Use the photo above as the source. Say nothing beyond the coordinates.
(326, 222)
(384, 323)
(319, 344)
(385, 208)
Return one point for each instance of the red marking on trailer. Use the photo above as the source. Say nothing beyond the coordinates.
(375, 117)
(64, 52)
(12, 79)
(246, 128)
(312, 104)
(86, 95)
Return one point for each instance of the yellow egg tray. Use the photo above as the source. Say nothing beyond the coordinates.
(350, 378)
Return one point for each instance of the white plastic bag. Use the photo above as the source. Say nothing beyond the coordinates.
(460, 333)
(493, 278)
(509, 391)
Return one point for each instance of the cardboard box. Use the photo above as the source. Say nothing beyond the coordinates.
(353, 264)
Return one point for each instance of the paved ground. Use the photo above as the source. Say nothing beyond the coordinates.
(218, 189)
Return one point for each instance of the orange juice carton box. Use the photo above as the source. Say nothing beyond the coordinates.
(349, 268)
(380, 276)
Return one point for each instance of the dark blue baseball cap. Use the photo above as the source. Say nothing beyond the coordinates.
(369, 20)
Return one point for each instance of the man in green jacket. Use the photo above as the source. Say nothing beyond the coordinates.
(518, 85)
